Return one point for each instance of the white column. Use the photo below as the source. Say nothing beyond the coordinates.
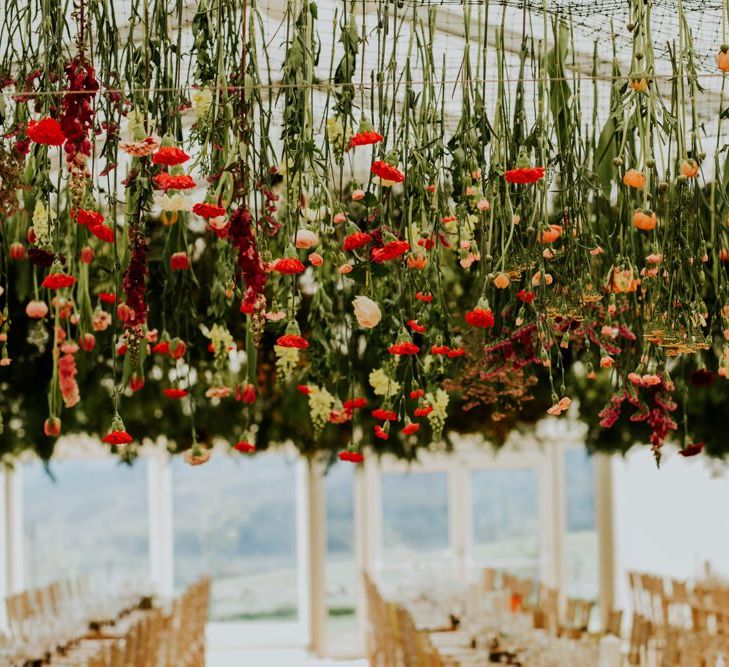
(605, 509)
(363, 551)
(11, 530)
(161, 523)
(316, 558)
(552, 514)
(459, 516)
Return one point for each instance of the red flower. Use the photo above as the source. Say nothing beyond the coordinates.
(177, 348)
(387, 172)
(162, 348)
(414, 326)
(165, 181)
(365, 138)
(289, 265)
(52, 427)
(208, 211)
(246, 395)
(117, 438)
(391, 250)
(381, 433)
(170, 156)
(58, 281)
(46, 131)
(692, 450)
(88, 218)
(289, 340)
(350, 456)
(357, 240)
(417, 393)
(384, 415)
(440, 349)
(524, 175)
(175, 393)
(480, 317)
(354, 403)
(107, 297)
(456, 352)
(103, 232)
(525, 296)
(425, 298)
(428, 243)
(424, 411)
(412, 427)
(245, 447)
(403, 348)
(17, 251)
(179, 261)
(303, 389)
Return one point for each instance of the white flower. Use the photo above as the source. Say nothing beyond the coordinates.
(202, 100)
(313, 214)
(366, 311)
(305, 239)
(175, 202)
(383, 384)
(41, 223)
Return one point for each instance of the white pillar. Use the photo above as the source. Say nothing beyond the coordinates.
(605, 509)
(316, 558)
(161, 523)
(363, 548)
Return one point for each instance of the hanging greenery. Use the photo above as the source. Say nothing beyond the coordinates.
(215, 226)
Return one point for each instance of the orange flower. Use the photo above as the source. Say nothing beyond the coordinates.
(501, 281)
(689, 168)
(634, 179)
(550, 235)
(417, 260)
(638, 83)
(722, 59)
(644, 220)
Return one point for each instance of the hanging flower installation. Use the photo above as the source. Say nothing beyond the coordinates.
(231, 241)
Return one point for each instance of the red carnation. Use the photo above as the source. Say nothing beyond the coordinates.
(456, 352)
(107, 297)
(208, 211)
(366, 138)
(440, 349)
(161, 348)
(524, 175)
(423, 411)
(525, 296)
(170, 156)
(165, 181)
(117, 438)
(58, 281)
(480, 317)
(179, 261)
(288, 265)
(414, 326)
(175, 393)
(354, 403)
(403, 348)
(46, 131)
(357, 240)
(292, 340)
(417, 393)
(381, 433)
(103, 232)
(391, 250)
(387, 172)
(384, 415)
(351, 456)
(303, 389)
(412, 427)
(425, 298)
(246, 394)
(87, 218)
(245, 447)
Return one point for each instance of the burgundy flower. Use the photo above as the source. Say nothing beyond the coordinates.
(692, 450)
(77, 117)
(702, 377)
(41, 257)
(250, 264)
(135, 281)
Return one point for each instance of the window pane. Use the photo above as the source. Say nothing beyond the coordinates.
(506, 519)
(341, 569)
(581, 557)
(414, 523)
(235, 519)
(90, 520)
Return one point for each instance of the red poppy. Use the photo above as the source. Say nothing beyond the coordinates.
(175, 393)
(357, 240)
(208, 211)
(423, 411)
(58, 281)
(412, 427)
(524, 296)
(387, 172)
(414, 326)
(292, 340)
(170, 156)
(391, 250)
(381, 433)
(354, 403)
(162, 348)
(179, 261)
(384, 415)
(288, 265)
(245, 447)
(524, 175)
(456, 352)
(46, 131)
(403, 348)
(350, 456)
(107, 297)
(425, 298)
(417, 393)
(117, 438)
(480, 317)
(692, 450)
(365, 138)
(303, 389)
(87, 218)
(440, 349)
(165, 181)
(103, 232)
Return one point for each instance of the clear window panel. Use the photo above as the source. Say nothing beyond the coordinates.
(580, 549)
(86, 517)
(235, 520)
(415, 526)
(342, 577)
(506, 519)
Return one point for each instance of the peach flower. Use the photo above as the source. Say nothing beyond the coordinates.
(366, 311)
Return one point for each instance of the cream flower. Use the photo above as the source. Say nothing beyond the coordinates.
(366, 311)
(175, 202)
(305, 239)
(202, 100)
(383, 384)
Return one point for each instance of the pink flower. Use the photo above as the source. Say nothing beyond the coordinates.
(305, 239)
(358, 195)
(36, 309)
(316, 259)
